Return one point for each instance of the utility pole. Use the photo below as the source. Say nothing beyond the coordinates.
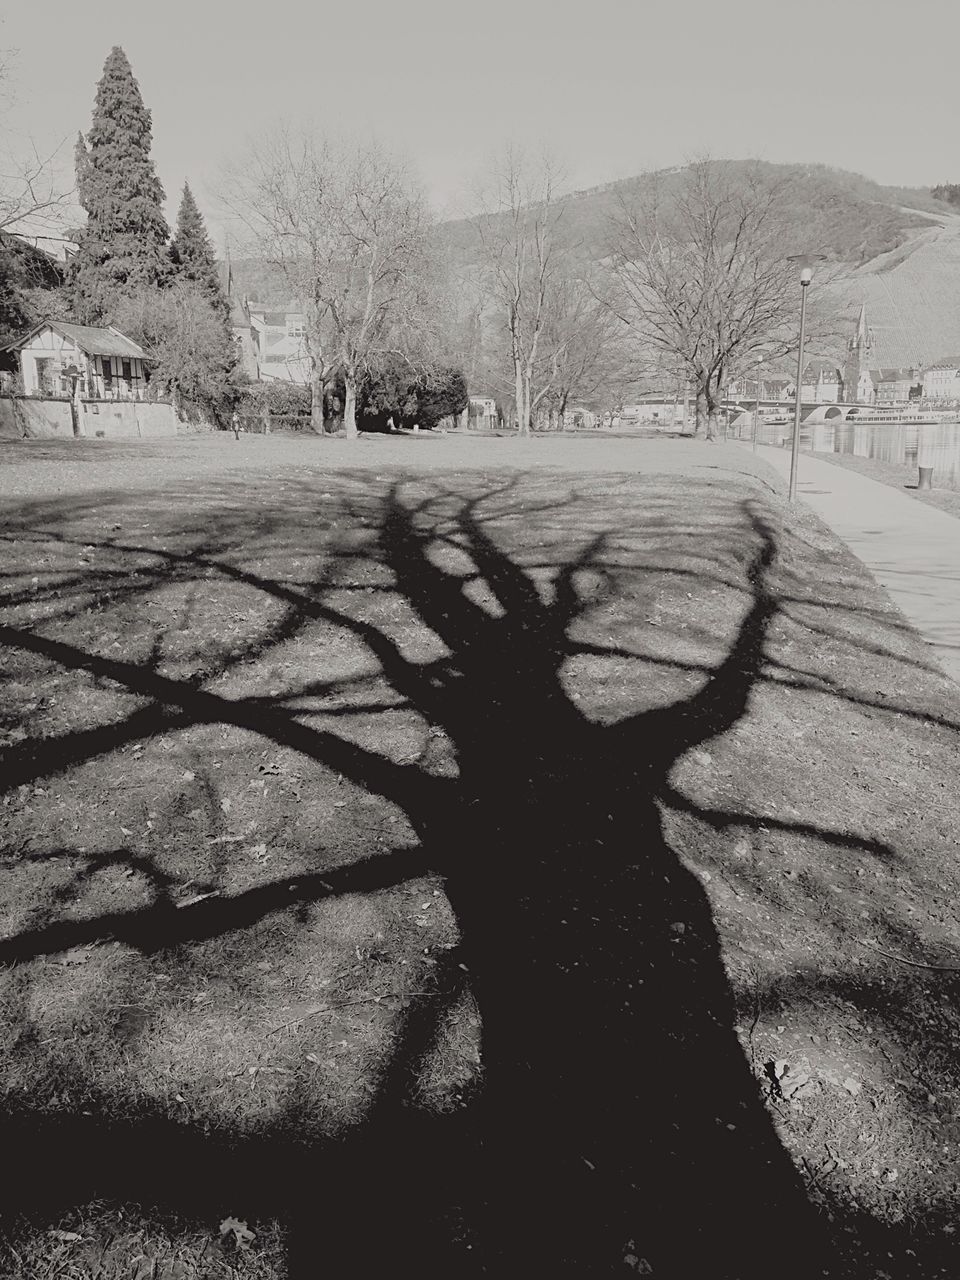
(806, 275)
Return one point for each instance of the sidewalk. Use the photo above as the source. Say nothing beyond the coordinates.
(913, 550)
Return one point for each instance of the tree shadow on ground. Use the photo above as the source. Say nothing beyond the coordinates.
(617, 1125)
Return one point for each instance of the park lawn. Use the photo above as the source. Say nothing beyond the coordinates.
(223, 908)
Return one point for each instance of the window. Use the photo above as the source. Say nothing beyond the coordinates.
(44, 376)
(126, 371)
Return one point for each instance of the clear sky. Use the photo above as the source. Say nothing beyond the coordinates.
(611, 86)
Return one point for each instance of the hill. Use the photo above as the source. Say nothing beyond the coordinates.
(912, 296)
(846, 216)
(900, 247)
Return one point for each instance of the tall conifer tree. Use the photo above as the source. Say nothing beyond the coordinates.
(191, 254)
(123, 245)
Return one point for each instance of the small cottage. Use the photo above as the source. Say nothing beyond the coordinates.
(60, 359)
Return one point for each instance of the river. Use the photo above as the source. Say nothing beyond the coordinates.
(897, 442)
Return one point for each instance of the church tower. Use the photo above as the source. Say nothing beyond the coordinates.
(857, 383)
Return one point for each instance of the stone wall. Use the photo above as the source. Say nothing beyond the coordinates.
(112, 419)
(33, 417)
(40, 417)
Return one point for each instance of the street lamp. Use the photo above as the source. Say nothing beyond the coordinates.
(806, 275)
(756, 412)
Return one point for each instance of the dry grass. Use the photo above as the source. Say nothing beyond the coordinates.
(184, 946)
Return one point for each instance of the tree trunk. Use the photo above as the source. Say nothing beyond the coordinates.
(316, 398)
(700, 426)
(713, 410)
(523, 414)
(350, 406)
(713, 419)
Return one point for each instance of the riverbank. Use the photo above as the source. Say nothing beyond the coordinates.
(347, 789)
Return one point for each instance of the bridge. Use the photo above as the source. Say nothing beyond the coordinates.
(740, 412)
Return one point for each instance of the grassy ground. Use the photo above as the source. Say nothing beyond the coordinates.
(901, 478)
(467, 856)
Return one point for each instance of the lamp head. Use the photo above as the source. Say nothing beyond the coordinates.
(806, 275)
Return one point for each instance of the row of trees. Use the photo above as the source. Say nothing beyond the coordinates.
(128, 271)
(697, 282)
(347, 231)
(694, 284)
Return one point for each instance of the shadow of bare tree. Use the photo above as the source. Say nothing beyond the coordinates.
(617, 1125)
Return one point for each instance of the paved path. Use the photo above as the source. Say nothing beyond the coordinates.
(910, 548)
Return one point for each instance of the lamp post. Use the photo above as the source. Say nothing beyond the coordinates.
(756, 412)
(806, 275)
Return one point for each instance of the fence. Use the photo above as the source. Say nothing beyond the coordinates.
(272, 423)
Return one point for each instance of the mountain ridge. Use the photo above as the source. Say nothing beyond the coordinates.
(899, 248)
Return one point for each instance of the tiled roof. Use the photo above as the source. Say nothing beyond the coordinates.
(816, 367)
(99, 342)
(948, 362)
(91, 339)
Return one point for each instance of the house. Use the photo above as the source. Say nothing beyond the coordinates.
(482, 413)
(822, 383)
(244, 335)
(66, 360)
(896, 386)
(662, 408)
(941, 380)
(272, 343)
(771, 388)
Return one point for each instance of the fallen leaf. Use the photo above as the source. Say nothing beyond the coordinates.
(242, 1235)
(66, 1236)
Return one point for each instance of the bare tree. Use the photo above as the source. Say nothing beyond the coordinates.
(32, 199)
(347, 232)
(283, 193)
(699, 273)
(584, 345)
(377, 284)
(519, 234)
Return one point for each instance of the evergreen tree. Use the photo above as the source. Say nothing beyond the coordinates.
(191, 254)
(123, 245)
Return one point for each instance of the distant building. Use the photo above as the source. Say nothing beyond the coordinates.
(272, 343)
(822, 383)
(662, 408)
(772, 388)
(896, 386)
(865, 384)
(282, 346)
(245, 338)
(57, 358)
(482, 413)
(858, 385)
(941, 380)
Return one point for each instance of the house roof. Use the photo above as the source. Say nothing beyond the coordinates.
(892, 375)
(948, 362)
(816, 367)
(91, 339)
